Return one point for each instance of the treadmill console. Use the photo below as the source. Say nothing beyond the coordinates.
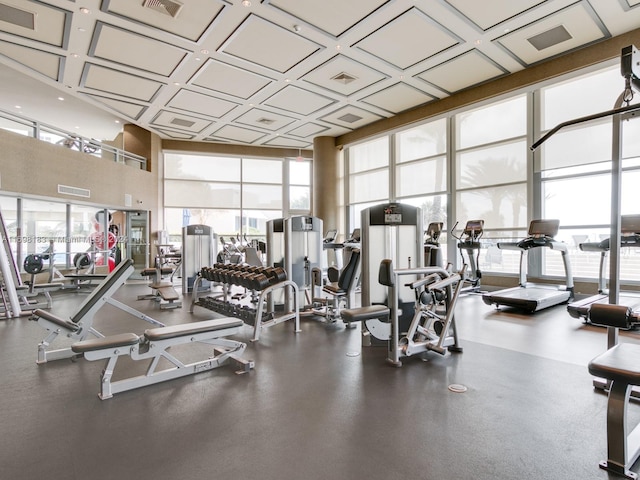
(543, 228)
(330, 236)
(630, 224)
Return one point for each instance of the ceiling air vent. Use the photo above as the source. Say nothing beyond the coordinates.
(550, 38)
(344, 78)
(349, 118)
(75, 191)
(167, 7)
(265, 121)
(18, 17)
(182, 123)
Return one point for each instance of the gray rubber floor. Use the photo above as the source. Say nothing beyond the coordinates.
(317, 405)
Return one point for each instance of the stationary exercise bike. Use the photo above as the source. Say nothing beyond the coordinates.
(469, 246)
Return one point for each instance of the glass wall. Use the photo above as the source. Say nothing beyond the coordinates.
(575, 168)
(235, 196)
(476, 164)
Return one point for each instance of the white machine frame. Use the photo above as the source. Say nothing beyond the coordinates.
(154, 346)
(80, 325)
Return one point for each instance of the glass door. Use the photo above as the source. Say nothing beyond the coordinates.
(137, 240)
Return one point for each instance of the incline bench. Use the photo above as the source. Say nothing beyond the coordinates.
(80, 325)
(162, 290)
(154, 345)
(620, 365)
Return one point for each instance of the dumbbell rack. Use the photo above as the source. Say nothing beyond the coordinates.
(265, 280)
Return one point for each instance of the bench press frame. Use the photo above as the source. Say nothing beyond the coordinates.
(80, 325)
(154, 346)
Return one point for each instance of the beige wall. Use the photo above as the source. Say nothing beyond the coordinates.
(32, 167)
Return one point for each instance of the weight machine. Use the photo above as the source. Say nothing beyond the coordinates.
(391, 231)
(198, 247)
(295, 244)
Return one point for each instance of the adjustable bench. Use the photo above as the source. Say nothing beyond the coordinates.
(161, 290)
(80, 325)
(620, 365)
(154, 345)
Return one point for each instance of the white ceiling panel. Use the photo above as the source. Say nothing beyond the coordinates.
(202, 104)
(281, 70)
(397, 98)
(466, 70)
(224, 78)
(42, 62)
(576, 20)
(129, 109)
(393, 43)
(343, 75)
(297, 100)
(176, 135)
(308, 130)
(285, 142)
(488, 13)
(142, 52)
(231, 133)
(351, 117)
(119, 83)
(191, 21)
(323, 14)
(37, 21)
(272, 37)
(257, 117)
(619, 17)
(179, 121)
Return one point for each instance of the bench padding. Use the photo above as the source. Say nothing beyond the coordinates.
(112, 341)
(163, 333)
(61, 322)
(371, 312)
(620, 363)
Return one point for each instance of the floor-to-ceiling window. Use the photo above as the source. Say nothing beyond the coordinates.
(368, 167)
(575, 168)
(235, 196)
(491, 176)
(421, 173)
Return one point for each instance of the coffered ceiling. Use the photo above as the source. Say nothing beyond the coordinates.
(273, 72)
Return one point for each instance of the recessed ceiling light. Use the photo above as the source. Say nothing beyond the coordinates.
(287, 80)
(61, 99)
(338, 47)
(80, 29)
(85, 10)
(74, 55)
(478, 42)
(198, 59)
(117, 121)
(77, 128)
(177, 84)
(18, 106)
(204, 51)
(246, 3)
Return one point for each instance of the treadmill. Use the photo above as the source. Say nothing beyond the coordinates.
(529, 296)
(630, 237)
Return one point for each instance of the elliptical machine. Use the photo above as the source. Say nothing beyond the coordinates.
(469, 245)
(432, 251)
